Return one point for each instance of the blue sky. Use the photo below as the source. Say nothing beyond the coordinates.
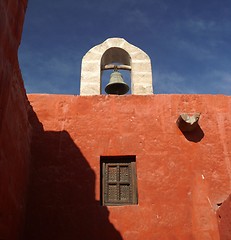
(188, 41)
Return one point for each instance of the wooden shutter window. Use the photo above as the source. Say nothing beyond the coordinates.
(118, 176)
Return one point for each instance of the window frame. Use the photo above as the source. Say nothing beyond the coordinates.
(118, 161)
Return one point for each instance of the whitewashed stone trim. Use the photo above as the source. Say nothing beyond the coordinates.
(111, 50)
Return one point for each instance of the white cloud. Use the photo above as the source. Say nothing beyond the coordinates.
(200, 37)
(200, 25)
(197, 51)
(220, 81)
(171, 82)
(58, 73)
(137, 18)
(210, 82)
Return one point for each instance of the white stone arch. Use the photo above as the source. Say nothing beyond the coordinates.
(116, 50)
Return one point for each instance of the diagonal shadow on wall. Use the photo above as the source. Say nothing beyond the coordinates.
(61, 199)
(223, 218)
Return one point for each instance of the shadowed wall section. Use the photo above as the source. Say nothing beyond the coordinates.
(14, 125)
(181, 179)
(61, 203)
(224, 219)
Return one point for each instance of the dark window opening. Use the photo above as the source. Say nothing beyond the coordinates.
(118, 180)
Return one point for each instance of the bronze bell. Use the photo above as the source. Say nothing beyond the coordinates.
(116, 84)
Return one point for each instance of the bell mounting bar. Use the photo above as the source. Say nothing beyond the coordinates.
(112, 66)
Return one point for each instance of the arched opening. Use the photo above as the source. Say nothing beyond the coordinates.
(115, 57)
(134, 64)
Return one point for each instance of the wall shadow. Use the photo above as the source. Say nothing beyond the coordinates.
(194, 136)
(61, 199)
(224, 219)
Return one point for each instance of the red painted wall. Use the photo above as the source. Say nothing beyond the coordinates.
(224, 220)
(181, 177)
(14, 125)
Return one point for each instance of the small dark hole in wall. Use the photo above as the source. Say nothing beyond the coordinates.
(219, 204)
(219, 216)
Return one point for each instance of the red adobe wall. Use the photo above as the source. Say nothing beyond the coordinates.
(224, 220)
(181, 178)
(14, 125)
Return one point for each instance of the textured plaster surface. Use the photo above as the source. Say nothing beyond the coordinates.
(181, 176)
(224, 220)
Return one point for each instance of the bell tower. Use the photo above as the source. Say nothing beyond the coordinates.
(104, 56)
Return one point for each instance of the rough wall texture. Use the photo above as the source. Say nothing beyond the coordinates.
(224, 219)
(181, 177)
(14, 125)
